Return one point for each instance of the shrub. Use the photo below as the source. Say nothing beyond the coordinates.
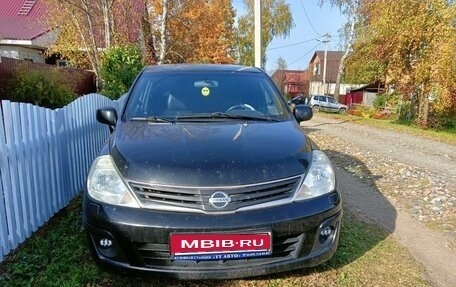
(45, 88)
(119, 69)
(380, 101)
(405, 111)
(362, 111)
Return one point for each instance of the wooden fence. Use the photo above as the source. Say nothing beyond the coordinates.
(44, 159)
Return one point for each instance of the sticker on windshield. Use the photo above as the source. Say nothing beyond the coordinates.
(205, 91)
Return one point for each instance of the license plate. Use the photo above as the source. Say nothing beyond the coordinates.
(210, 246)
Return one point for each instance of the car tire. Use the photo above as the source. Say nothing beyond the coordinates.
(315, 109)
(342, 110)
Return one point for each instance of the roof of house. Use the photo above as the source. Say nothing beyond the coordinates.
(22, 19)
(292, 75)
(331, 55)
(376, 87)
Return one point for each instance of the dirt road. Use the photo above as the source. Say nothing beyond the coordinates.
(399, 181)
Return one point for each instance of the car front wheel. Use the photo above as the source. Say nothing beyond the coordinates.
(342, 111)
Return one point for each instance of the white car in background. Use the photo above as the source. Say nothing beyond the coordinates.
(327, 104)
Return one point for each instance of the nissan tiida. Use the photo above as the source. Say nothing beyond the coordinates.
(208, 174)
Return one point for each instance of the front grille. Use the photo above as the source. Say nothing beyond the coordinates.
(155, 255)
(198, 197)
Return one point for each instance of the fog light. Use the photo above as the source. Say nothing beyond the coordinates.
(325, 233)
(107, 246)
(105, 242)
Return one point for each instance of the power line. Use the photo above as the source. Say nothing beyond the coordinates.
(308, 19)
(293, 44)
(305, 54)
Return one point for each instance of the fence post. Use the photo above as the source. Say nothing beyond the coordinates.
(5, 241)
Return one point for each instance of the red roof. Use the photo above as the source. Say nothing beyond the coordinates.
(22, 19)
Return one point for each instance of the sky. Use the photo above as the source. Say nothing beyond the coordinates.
(311, 22)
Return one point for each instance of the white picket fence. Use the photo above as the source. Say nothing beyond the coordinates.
(44, 158)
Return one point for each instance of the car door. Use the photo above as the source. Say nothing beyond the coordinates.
(323, 103)
(332, 105)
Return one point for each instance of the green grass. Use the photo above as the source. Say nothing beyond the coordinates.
(444, 135)
(57, 255)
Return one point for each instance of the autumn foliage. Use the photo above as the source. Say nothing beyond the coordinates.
(197, 31)
(409, 45)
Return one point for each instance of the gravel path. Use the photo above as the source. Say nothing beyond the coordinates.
(403, 182)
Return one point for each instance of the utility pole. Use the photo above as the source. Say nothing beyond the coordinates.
(325, 39)
(257, 12)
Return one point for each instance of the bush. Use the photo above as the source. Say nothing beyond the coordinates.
(46, 88)
(119, 69)
(405, 112)
(362, 111)
(380, 101)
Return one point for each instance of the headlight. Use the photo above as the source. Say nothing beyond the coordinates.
(105, 184)
(320, 178)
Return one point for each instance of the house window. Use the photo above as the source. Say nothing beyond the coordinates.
(62, 63)
(293, 88)
(316, 69)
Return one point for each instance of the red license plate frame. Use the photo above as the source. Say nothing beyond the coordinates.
(220, 246)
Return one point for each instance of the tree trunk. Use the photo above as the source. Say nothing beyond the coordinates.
(351, 33)
(423, 115)
(146, 38)
(105, 6)
(163, 44)
(92, 50)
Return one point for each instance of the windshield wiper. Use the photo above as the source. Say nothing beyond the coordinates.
(221, 115)
(154, 119)
(242, 117)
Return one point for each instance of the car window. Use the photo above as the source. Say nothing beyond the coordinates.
(331, 100)
(200, 93)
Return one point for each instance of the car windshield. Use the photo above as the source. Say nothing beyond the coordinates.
(189, 95)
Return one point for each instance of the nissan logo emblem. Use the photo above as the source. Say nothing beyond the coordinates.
(219, 199)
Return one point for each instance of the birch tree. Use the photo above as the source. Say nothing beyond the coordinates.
(197, 31)
(412, 43)
(350, 8)
(163, 42)
(88, 27)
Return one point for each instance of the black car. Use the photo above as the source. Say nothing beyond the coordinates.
(299, 100)
(208, 174)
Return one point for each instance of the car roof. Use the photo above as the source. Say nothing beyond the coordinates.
(322, 96)
(199, 68)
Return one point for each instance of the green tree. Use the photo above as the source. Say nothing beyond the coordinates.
(119, 69)
(86, 27)
(276, 20)
(47, 88)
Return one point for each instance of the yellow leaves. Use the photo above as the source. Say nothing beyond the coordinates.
(415, 42)
(200, 31)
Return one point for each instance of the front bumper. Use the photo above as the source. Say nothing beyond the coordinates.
(139, 238)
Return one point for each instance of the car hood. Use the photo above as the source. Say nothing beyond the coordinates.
(210, 153)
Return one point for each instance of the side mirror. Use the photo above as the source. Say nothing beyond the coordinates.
(107, 116)
(302, 113)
